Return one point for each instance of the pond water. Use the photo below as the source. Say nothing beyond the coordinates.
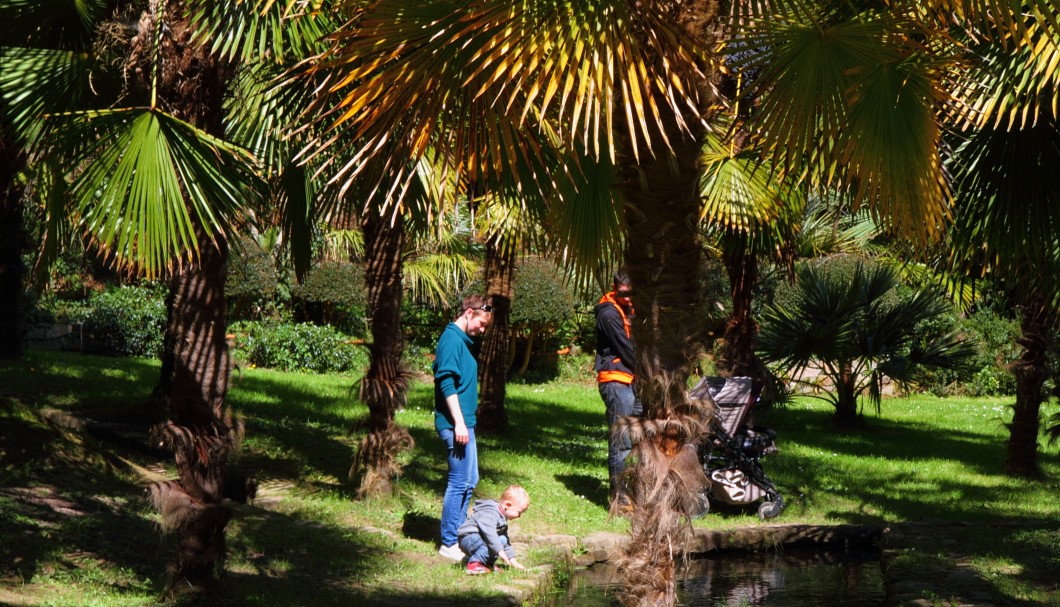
(791, 578)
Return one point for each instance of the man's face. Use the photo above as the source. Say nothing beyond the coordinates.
(623, 293)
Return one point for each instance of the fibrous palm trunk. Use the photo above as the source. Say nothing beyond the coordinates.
(201, 432)
(493, 359)
(738, 353)
(1031, 371)
(846, 403)
(195, 361)
(385, 387)
(662, 257)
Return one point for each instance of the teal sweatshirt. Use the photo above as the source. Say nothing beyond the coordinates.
(455, 372)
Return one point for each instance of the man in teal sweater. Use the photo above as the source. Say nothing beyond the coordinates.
(455, 404)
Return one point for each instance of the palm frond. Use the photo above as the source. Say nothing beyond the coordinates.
(405, 72)
(1011, 88)
(52, 191)
(265, 30)
(585, 222)
(892, 149)
(1007, 214)
(343, 245)
(148, 180)
(35, 82)
(800, 68)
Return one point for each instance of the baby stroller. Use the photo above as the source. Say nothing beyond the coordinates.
(730, 451)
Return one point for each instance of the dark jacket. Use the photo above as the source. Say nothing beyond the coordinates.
(615, 359)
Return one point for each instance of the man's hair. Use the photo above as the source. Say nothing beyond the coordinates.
(515, 493)
(473, 302)
(621, 278)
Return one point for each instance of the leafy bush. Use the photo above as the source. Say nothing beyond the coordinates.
(541, 299)
(297, 347)
(253, 286)
(996, 346)
(125, 321)
(333, 293)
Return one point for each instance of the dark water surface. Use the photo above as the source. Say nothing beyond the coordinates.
(791, 578)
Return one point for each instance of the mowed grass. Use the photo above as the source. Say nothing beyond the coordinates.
(74, 529)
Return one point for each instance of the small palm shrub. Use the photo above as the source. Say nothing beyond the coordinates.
(297, 347)
(857, 327)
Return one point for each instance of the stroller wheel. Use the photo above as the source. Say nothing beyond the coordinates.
(770, 510)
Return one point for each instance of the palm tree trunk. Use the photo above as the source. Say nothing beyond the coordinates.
(846, 407)
(195, 361)
(1031, 371)
(738, 352)
(12, 241)
(493, 358)
(662, 257)
(385, 387)
(195, 374)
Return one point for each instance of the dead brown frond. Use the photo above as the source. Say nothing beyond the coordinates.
(174, 504)
(665, 487)
(375, 464)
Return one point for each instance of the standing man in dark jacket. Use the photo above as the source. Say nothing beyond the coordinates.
(615, 362)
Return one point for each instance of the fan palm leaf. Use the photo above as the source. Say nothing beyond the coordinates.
(842, 100)
(404, 70)
(147, 180)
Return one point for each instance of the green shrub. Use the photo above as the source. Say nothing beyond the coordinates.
(125, 321)
(254, 286)
(996, 347)
(297, 347)
(334, 294)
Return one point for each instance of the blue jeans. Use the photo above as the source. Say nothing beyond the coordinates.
(621, 401)
(463, 477)
(478, 551)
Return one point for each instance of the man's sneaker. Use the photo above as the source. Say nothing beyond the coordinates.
(477, 568)
(453, 553)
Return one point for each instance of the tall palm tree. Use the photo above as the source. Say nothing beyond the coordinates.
(633, 84)
(159, 188)
(406, 47)
(1008, 209)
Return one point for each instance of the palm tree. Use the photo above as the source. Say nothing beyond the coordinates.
(1007, 220)
(653, 156)
(859, 330)
(159, 188)
(631, 85)
(752, 215)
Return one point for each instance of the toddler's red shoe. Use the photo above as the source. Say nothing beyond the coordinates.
(476, 568)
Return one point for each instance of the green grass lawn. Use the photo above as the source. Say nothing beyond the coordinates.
(74, 529)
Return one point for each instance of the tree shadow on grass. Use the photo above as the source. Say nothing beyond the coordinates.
(420, 526)
(590, 487)
(903, 493)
